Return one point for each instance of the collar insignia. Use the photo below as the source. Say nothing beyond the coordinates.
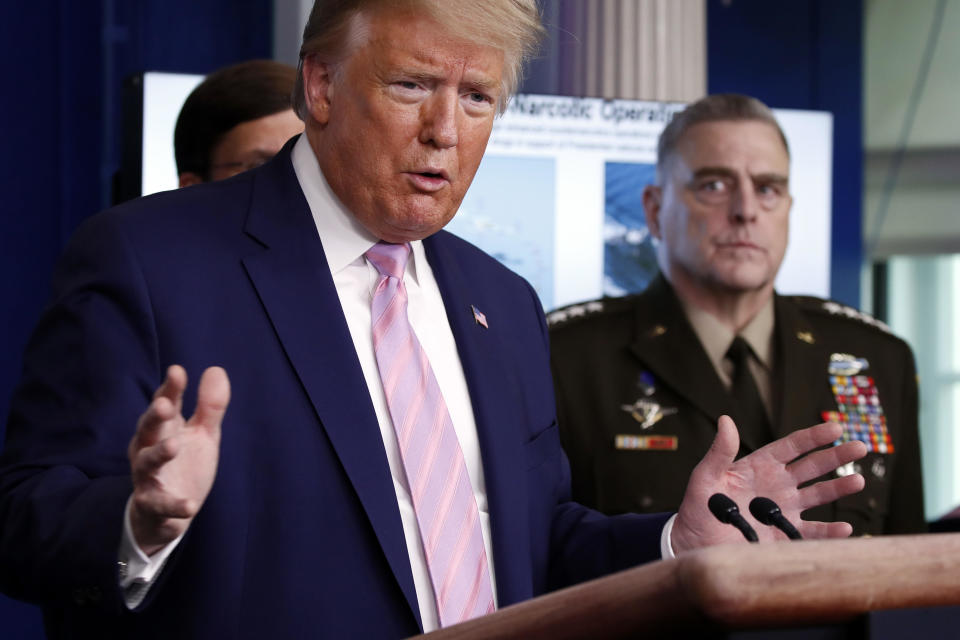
(656, 331)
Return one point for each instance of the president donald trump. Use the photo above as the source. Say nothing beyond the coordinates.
(375, 453)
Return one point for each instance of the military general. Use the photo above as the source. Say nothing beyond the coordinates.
(641, 380)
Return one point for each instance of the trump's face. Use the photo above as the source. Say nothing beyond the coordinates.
(400, 126)
(722, 211)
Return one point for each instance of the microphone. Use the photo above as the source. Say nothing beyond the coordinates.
(725, 510)
(766, 511)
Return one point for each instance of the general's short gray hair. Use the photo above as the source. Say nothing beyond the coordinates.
(713, 108)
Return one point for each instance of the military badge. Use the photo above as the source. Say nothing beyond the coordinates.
(878, 468)
(858, 404)
(647, 412)
(645, 383)
(631, 442)
(844, 364)
(848, 469)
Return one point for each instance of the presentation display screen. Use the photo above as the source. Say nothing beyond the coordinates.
(557, 197)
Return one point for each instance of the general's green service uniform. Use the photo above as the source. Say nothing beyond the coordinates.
(641, 382)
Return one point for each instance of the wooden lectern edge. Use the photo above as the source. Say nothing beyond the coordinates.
(740, 586)
(647, 597)
(821, 580)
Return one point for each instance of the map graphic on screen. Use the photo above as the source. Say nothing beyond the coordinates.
(629, 257)
(509, 212)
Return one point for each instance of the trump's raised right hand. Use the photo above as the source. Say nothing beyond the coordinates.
(780, 470)
(173, 460)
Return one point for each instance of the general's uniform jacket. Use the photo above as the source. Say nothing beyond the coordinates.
(638, 402)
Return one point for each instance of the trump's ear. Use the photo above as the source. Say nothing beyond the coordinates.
(652, 204)
(317, 88)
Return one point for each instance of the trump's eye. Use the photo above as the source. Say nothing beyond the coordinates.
(478, 100)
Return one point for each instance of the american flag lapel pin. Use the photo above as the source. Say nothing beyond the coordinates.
(479, 317)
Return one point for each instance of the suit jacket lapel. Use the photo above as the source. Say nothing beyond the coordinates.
(666, 344)
(488, 381)
(293, 282)
(800, 372)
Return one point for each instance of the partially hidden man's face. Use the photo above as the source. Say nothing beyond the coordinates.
(248, 145)
(400, 129)
(722, 211)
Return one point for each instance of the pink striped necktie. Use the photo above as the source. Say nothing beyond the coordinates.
(442, 495)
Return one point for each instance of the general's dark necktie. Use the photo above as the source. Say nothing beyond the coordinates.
(750, 416)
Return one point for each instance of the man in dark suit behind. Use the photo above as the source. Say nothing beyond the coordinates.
(641, 380)
(296, 512)
(236, 119)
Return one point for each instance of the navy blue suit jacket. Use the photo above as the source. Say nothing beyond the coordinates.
(301, 534)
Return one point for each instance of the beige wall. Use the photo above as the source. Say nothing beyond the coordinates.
(630, 49)
(644, 49)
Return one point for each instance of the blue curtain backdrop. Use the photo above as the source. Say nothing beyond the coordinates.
(803, 54)
(63, 73)
(61, 120)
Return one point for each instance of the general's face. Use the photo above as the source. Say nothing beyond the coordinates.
(723, 209)
(400, 130)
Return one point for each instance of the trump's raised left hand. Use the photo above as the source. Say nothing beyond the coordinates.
(775, 471)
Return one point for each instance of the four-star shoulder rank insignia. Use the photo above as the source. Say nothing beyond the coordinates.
(574, 311)
(837, 309)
